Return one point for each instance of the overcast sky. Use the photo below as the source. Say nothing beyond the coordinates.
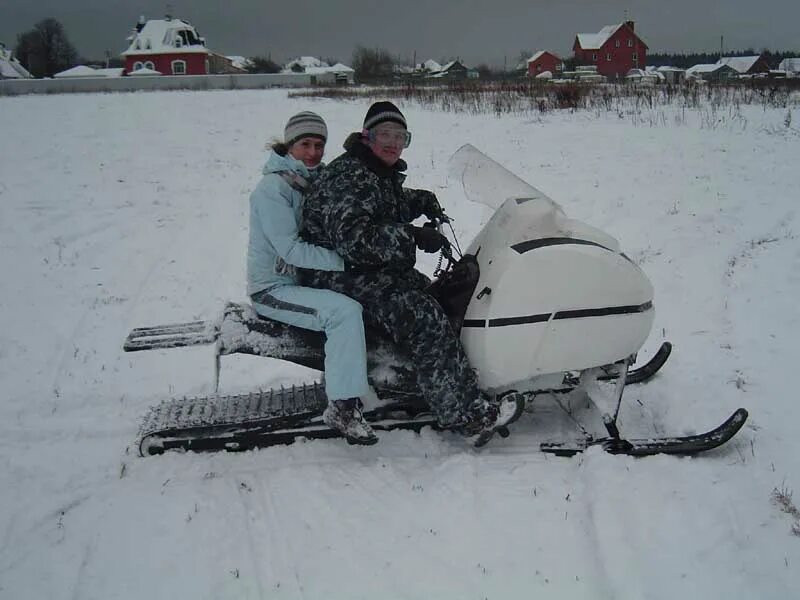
(474, 30)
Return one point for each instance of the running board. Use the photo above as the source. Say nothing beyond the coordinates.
(176, 335)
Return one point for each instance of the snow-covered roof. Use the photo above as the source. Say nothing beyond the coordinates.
(338, 68)
(84, 71)
(10, 67)
(431, 65)
(536, 56)
(305, 62)
(790, 64)
(341, 68)
(705, 68)
(668, 69)
(594, 41)
(644, 74)
(79, 71)
(449, 65)
(142, 72)
(161, 36)
(741, 63)
(240, 62)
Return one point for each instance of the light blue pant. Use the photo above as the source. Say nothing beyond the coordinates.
(339, 317)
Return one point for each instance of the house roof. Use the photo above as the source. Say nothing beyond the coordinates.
(790, 64)
(240, 62)
(594, 41)
(305, 62)
(539, 54)
(337, 68)
(450, 65)
(79, 71)
(160, 36)
(741, 63)
(341, 68)
(431, 65)
(10, 67)
(84, 71)
(706, 68)
(143, 72)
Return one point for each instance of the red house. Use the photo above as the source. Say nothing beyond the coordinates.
(169, 46)
(544, 61)
(615, 50)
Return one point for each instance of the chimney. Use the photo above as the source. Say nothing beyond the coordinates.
(140, 24)
(629, 24)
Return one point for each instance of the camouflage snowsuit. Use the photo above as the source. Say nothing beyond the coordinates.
(359, 209)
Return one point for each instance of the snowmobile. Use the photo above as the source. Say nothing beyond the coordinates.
(527, 296)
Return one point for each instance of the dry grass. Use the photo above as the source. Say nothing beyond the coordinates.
(782, 498)
(721, 102)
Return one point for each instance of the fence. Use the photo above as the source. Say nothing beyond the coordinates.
(14, 87)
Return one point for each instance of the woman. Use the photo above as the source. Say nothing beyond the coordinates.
(274, 250)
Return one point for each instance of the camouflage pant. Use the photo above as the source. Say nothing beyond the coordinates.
(414, 321)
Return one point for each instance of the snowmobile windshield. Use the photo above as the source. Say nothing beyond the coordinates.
(484, 180)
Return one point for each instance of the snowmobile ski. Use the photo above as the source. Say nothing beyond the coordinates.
(685, 445)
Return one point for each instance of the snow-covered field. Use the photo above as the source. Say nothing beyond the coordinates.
(127, 210)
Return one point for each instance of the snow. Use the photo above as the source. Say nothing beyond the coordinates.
(791, 65)
(595, 41)
(10, 67)
(85, 71)
(703, 68)
(99, 237)
(159, 36)
(742, 64)
(144, 71)
(431, 66)
(306, 62)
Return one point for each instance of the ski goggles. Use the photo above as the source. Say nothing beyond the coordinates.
(385, 137)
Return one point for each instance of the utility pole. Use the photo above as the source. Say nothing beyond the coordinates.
(721, 46)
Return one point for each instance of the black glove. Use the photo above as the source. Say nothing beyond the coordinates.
(428, 239)
(431, 207)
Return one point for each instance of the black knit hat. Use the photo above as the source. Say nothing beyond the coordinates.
(381, 112)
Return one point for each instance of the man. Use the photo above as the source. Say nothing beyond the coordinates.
(359, 209)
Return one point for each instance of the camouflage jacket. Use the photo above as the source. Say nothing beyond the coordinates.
(359, 208)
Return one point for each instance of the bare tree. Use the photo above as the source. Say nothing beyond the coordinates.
(46, 50)
(372, 64)
(261, 64)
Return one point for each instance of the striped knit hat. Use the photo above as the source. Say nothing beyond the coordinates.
(380, 112)
(304, 124)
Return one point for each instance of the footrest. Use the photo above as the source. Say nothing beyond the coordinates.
(175, 335)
